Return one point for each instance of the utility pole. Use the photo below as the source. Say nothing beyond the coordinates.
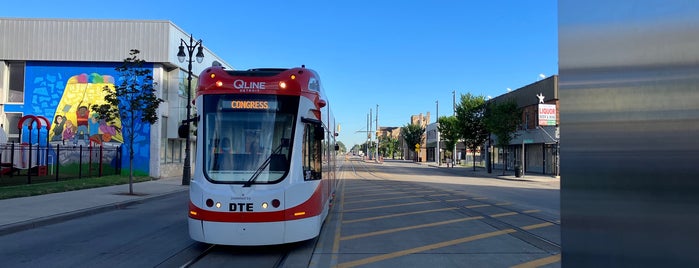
(370, 120)
(368, 133)
(436, 154)
(453, 107)
(377, 133)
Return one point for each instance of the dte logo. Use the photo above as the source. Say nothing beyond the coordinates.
(240, 207)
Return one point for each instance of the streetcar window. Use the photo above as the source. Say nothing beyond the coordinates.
(247, 138)
(312, 152)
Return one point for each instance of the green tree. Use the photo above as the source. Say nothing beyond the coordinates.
(133, 101)
(369, 148)
(342, 147)
(356, 148)
(449, 132)
(388, 146)
(502, 120)
(470, 113)
(412, 134)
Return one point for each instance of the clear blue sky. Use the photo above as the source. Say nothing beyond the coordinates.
(401, 55)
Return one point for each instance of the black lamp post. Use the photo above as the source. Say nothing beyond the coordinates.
(187, 170)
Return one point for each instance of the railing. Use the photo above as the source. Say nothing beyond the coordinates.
(26, 164)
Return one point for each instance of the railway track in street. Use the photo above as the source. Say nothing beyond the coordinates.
(387, 217)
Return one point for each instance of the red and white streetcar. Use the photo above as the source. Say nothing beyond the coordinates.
(265, 157)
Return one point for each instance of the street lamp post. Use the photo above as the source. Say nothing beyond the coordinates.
(187, 170)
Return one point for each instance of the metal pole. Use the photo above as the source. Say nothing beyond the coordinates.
(522, 163)
(453, 107)
(371, 118)
(191, 46)
(187, 171)
(436, 154)
(377, 132)
(366, 148)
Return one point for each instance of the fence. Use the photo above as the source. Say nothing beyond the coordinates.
(26, 164)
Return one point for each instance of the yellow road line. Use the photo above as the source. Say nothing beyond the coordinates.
(454, 200)
(397, 215)
(534, 226)
(389, 206)
(540, 262)
(478, 206)
(503, 214)
(435, 246)
(384, 199)
(338, 228)
(409, 228)
(531, 211)
(375, 194)
(479, 198)
(423, 248)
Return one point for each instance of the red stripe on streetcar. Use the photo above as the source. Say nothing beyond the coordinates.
(310, 208)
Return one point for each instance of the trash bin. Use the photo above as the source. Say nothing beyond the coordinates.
(518, 171)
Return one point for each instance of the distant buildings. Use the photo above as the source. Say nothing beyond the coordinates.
(534, 146)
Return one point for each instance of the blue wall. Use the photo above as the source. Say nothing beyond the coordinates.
(44, 85)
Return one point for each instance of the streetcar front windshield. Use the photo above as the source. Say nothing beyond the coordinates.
(247, 138)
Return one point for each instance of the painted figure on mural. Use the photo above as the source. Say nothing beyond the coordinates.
(69, 130)
(108, 131)
(82, 133)
(58, 123)
(94, 128)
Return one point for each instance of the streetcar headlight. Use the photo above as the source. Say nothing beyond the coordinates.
(264, 205)
(209, 202)
(218, 204)
(282, 85)
(219, 83)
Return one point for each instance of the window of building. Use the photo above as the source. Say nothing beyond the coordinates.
(16, 92)
(11, 128)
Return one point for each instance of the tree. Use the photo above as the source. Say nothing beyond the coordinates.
(449, 130)
(388, 145)
(470, 114)
(502, 120)
(412, 134)
(133, 101)
(368, 148)
(356, 148)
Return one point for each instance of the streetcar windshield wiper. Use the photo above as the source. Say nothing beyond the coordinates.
(258, 171)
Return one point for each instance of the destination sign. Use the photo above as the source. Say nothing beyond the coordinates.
(249, 105)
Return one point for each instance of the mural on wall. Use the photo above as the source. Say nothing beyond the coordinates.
(74, 120)
(63, 92)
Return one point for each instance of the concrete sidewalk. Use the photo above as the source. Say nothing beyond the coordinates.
(496, 173)
(29, 212)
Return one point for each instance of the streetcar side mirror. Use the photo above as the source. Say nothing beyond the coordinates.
(319, 133)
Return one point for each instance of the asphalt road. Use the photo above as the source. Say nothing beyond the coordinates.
(143, 235)
(154, 233)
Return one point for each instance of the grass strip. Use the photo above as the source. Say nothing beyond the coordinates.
(65, 186)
